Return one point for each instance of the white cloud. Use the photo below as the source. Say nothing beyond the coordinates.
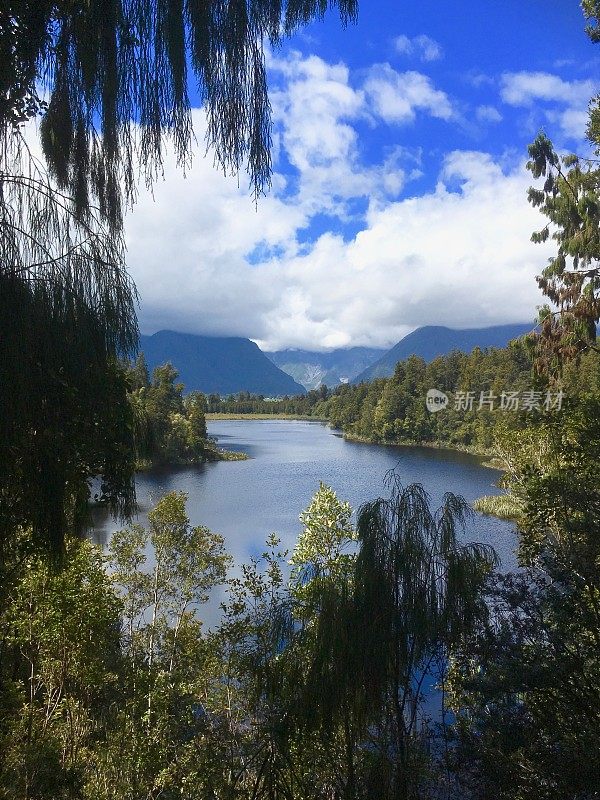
(459, 255)
(314, 110)
(206, 260)
(478, 79)
(532, 89)
(527, 88)
(572, 122)
(423, 47)
(397, 96)
(488, 114)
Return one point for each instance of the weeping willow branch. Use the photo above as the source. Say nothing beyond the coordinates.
(109, 79)
(415, 592)
(116, 75)
(67, 312)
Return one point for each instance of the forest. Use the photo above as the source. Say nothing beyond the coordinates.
(490, 393)
(169, 428)
(312, 684)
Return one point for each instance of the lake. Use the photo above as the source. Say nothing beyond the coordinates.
(245, 501)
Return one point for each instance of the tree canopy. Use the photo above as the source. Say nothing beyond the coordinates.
(111, 82)
(108, 81)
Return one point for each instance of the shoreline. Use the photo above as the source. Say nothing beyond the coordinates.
(487, 457)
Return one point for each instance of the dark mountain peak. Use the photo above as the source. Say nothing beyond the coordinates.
(218, 364)
(431, 341)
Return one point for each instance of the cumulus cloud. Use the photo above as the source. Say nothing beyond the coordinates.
(314, 110)
(526, 88)
(561, 102)
(207, 260)
(459, 255)
(423, 47)
(398, 96)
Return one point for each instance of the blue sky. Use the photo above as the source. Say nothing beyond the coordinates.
(398, 194)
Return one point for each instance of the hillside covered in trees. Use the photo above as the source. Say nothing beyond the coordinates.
(489, 391)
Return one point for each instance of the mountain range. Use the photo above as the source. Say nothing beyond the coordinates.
(227, 365)
(220, 365)
(436, 340)
(311, 369)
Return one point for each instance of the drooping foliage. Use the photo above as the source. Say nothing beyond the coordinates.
(109, 82)
(383, 638)
(67, 313)
(114, 78)
(65, 417)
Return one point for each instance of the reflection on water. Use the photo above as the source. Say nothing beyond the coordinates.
(247, 500)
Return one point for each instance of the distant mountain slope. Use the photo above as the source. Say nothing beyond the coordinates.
(312, 369)
(435, 340)
(222, 365)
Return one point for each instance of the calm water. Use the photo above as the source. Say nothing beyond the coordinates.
(247, 500)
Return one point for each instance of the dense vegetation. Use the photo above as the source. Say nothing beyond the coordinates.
(311, 686)
(113, 688)
(489, 393)
(313, 683)
(169, 428)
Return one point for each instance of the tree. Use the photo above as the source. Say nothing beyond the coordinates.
(570, 199)
(319, 556)
(159, 743)
(60, 664)
(113, 80)
(106, 67)
(261, 679)
(139, 376)
(382, 639)
(527, 681)
(323, 564)
(417, 592)
(571, 281)
(168, 428)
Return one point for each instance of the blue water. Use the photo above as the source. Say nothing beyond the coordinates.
(245, 501)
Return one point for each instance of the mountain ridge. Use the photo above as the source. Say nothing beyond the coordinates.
(312, 368)
(431, 341)
(218, 364)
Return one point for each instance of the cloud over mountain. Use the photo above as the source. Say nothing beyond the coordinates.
(360, 240)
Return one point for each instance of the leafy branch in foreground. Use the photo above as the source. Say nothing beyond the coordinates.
(570, 200)
(115, 76)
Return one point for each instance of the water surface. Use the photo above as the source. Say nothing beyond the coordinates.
(247, 500)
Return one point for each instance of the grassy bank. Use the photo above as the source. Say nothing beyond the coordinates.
(228, 455)
(503, 506)
(210, 454)
(472, 451)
